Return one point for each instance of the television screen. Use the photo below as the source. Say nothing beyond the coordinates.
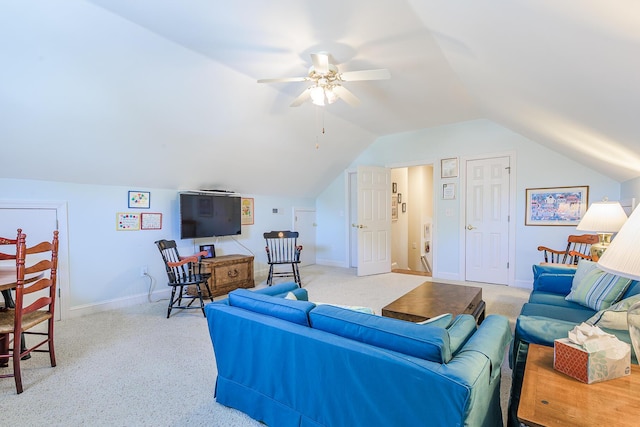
(209, 215)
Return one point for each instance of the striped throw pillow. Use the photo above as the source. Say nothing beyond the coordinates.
(598, 290)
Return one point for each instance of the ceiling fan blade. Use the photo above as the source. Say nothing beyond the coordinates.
(302, 98)
(284, 80)
(346, 96)
(352, 76)
(320, 62)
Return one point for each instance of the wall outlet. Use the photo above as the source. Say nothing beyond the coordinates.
(143, 271)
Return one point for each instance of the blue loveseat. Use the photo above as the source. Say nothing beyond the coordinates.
(548, 315)
(292, 363)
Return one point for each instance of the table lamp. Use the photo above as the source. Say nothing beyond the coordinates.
(603, 218)
(622, 257)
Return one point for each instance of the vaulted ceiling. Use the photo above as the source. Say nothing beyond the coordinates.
(163, 93)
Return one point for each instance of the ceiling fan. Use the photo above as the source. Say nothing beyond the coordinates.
(327, 82)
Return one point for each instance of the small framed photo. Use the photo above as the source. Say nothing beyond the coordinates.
(399, 197)
(449, 191)
(404, 207)
(556, 206)
(139, 199)
(394, 187)
(449, 168)
(394, 208)
(209, 249)
(151, 221)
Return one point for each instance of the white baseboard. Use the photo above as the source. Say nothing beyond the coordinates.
(85, 309)
(332, 263)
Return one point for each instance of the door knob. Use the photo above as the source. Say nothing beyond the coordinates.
(470, 227)
(357, 225)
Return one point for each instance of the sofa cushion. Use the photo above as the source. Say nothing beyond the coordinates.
(633, 289)
(553, 278)
(292, 311)
(614, 317)
(551, 298)
(576, 314)
(598, 290)
(430, 343)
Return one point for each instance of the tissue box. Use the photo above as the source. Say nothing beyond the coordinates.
(571, 359)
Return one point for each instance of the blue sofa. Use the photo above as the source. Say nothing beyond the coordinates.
(291, 363)
(548, 315)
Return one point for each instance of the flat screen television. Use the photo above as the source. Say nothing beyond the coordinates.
(209, 215)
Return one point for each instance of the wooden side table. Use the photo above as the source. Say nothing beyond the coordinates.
(551, 398)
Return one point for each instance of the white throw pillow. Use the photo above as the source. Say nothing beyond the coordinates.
(614, 317)
(291, 295)
(442, 321)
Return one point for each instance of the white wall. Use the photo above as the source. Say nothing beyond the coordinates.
(104, 264)
(535, 166)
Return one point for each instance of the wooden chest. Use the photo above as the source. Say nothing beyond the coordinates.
(228, 272)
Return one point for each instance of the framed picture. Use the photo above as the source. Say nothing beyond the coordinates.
(150, 221)
(449, 168)
(394, 187)
(399, 197)
(404, 207)
(246, 211)
(209, 249)
(556, 206)
(449, 191)
(139, 199)
(127, 221)
(394, 208)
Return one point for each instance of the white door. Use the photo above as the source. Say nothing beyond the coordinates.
(487, 220)
(374, 220)
(37, 223)
(304, 222)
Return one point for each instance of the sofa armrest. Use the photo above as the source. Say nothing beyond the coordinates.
(491, 339)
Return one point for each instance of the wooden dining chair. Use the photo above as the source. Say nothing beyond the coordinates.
(283, 250)
(22, 318)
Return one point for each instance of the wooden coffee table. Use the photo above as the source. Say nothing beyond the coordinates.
(432, 299)
(551, 398)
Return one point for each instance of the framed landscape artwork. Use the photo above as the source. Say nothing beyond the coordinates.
(556, 206)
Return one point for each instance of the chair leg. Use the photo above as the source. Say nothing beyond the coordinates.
(206, 285)
(52, 349)
(173, 293)
(200, 297)
(270, 276)
(17, 373)
(4, 349)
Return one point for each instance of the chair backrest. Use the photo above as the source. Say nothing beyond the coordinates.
(46, 272)
(282, 247)
(11, 253)
(177, 269)
(579, 243)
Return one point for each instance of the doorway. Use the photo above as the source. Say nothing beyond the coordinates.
(412, 219)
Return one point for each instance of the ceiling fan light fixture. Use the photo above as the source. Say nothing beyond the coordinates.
(317, 95)
(331, 95)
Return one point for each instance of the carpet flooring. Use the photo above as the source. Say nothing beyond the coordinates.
(134, 367)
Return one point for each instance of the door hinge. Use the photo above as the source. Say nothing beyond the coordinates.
(507, 265)
(508, 168)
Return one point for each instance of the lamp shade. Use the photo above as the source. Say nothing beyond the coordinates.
(623, 254)
(603, 217)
